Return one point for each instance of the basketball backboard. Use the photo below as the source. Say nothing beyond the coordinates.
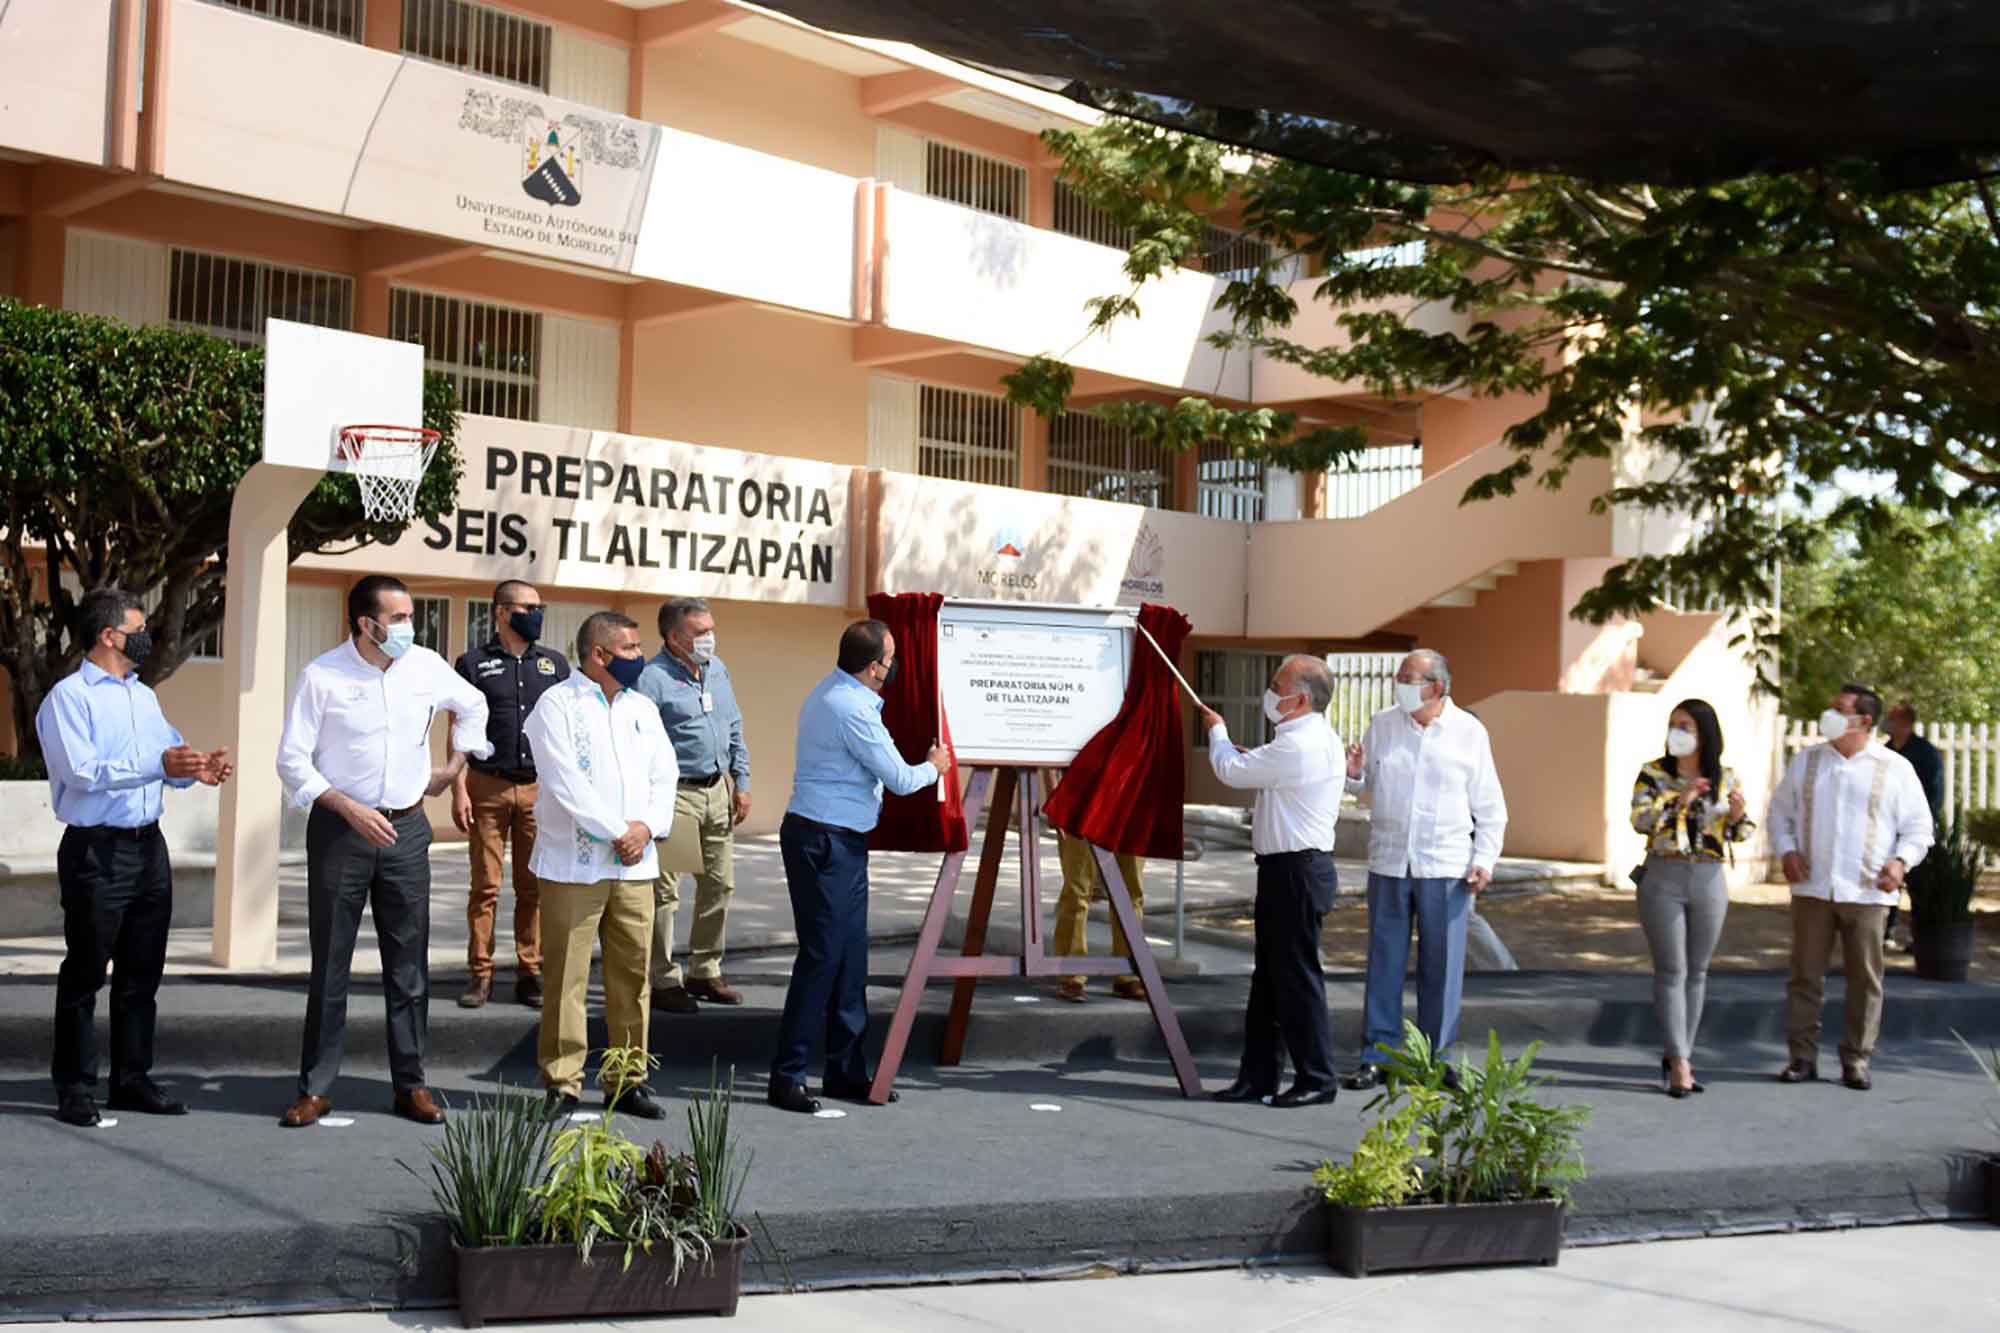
(318, 380)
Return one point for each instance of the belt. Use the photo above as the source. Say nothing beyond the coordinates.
(708, 781)
(398, 814)
(142, 833)
(520, 777)
(1286, 856)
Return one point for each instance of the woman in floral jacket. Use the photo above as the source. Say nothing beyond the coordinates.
(1690, 808)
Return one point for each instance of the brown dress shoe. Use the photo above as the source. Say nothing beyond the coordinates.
(1129, 988)
(714, 989)
(420, 1105)
(674, 1000)
(476, 993)
(304, 1111)
(1071, 989)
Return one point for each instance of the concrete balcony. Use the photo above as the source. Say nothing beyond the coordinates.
(1276, 383)
(57, 64)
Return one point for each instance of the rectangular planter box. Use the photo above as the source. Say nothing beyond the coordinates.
(1361, 1241)
(552, 1282)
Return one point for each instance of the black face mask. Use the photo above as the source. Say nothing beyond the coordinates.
(527, 624)
(889, 672)
(138, 647)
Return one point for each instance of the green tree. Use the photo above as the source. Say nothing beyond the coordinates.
(1780, 335)
(120, 451)
(1909, 608)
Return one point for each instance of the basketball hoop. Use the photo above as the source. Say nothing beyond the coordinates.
(387, 463)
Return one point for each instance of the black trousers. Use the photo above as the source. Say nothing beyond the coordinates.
(1287, 990)
(826, 869)
(117, 901)
(345, 873)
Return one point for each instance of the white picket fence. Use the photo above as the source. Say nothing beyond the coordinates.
(1971, 758)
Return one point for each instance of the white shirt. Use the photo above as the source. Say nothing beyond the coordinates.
(600, 767)
(366, 732)
(1297, 778)
(1848, 818)
(1434, 798)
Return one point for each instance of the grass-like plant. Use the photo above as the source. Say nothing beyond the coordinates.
(1942, 884)
(485, 1170)
(1989, 1065)
(721, 1165)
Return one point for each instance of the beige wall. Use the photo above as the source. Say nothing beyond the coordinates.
(725, 88)
(1508, 640)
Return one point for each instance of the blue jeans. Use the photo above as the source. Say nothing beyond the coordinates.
(1442, 908)
(826, 869)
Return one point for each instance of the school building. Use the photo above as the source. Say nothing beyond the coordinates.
(727, 300)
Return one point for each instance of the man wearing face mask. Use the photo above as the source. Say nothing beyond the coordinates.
(1297, 781)
(607, 794)
(356, 752)
(493, 801)
(1849, 821)
(844, 758)
(110, 752)
(1435, 826)
(690, 686)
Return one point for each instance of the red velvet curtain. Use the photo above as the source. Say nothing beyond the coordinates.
(919, 822)
(1125, 789)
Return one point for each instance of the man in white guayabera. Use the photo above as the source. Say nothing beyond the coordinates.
(1849, 821)
(1435, 826)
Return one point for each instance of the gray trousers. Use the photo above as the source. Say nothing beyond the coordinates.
(345, 873)
(1681, 906)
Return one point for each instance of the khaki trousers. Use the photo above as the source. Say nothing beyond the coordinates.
(503, 817)
(708, 807)
(1815, 922)
(621, 911)
(1081, 883)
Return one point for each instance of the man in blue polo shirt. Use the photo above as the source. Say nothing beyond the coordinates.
(845, 758)
(110, 751)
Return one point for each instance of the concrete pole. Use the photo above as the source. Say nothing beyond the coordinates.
(254, 692)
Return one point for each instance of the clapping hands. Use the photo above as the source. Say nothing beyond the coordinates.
(211, 767)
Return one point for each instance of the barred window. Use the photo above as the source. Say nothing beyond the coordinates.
(1228, 486)
(1233, 685)
(432, 618)
(480, 39)
(338, 18)
(1091, 457)
(1078, 217)
(976, 180)
(231, 298)
(964, 436)
(492, 354)
(1230, 254)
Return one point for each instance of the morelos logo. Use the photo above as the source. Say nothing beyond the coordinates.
(1145, 566)
(1009, 543)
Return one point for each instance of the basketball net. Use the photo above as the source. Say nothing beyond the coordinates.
(387, 464)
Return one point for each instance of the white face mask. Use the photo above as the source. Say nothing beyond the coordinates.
(1410, 696)
(1681, 743)
(1274, 706)
(1833, 724)
(703, 646)
(396, 639)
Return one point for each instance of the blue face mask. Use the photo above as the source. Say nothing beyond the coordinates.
(396, 640)
(626, 670)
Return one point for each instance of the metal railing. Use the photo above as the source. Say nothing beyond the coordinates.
(1971, 752)
(966, 436)
(231, 298)
(493, 354)
(480, 39)
(336, 18)
(1362, 687)
(975, 180)
(1383, 475)
(1091, 457)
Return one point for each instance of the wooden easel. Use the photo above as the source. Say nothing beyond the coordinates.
(1013, 800)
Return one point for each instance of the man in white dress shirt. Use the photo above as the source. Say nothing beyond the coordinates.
(1297, 781)
(607, 775)
(357, 753)
(1849, 821)
(1435, 827)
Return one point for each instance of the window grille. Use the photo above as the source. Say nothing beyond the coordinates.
(492, 354)
(1228, 486)
(231, 298)
(976, 180)
(1230, 254)
(479, 39)
(1091, 457)
(337, 18)
(432, 618)
(1379, 476)
(1078, 217)
(1233, 685)
(964, 436)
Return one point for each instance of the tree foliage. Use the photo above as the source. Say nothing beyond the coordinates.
(1909, 607)
(1759, 341)
(120, 451)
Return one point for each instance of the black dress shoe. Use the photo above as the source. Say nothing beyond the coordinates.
(1364, 1078)
(637, 1100)
(791, 1097)
(528, 991)
(559, 1105)
(1799, 1071)
(145, 1097)
(1242, 1090)
(854, 1092)
(77, 1108)
(1300, 1095)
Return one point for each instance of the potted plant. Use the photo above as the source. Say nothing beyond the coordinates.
(1941, 888)
(1989, 1065)
(1465, 1165)
(555, 1220)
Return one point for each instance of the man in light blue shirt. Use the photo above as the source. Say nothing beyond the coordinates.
(845, 757)
(109, 752)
